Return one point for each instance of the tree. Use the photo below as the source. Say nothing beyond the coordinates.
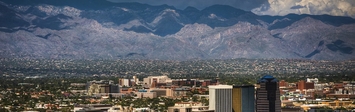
(204, 101)
(194, 98)
(3, 109)
(110, 96)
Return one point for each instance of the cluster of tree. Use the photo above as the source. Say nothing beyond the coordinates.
(192, 68)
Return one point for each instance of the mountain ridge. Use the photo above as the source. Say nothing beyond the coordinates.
(141, 31)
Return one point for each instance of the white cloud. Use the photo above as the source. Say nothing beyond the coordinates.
(314, 7)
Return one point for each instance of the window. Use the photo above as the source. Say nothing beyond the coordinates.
(189, 110)
(176, 110)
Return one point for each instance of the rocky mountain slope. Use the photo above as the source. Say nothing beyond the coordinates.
(97, 29)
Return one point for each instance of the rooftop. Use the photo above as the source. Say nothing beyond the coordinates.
(267, 78)
(220, 87)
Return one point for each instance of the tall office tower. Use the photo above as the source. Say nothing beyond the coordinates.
(243, 98)
(220, 98)
(268, 95)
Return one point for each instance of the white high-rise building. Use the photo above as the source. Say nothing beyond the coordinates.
(220, 98)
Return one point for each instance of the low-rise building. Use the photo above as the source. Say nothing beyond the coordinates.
(103, 86)
(146, 94)
(189, 107)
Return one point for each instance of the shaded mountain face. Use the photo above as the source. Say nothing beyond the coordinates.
(91, 29)
(9, 19)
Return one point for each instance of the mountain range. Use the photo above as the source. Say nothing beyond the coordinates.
(98, 29)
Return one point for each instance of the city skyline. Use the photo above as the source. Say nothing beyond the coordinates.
(177, 56)
(182, 95)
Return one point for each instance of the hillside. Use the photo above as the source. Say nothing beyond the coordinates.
(98, 29)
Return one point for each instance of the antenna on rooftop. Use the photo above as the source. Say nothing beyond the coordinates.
(217, 78)
(352, 87)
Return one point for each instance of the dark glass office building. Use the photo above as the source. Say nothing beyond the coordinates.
(268, 95)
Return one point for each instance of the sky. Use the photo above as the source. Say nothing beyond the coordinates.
(267, 7)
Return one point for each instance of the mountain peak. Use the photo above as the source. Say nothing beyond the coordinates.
(106, 30)
(224, 10)
(222, 7)
(189, 8)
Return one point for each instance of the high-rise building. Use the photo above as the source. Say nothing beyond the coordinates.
(136, 80)
(128, 82)
(268, 95)
(220, 98)
(125, 82)
(243, 98)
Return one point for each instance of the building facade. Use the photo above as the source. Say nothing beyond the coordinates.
(189, 107)
(103, 86)
(268, 95)
(303, 85)
(220, 98)
(151, 81)
(243, 98)
(126, 82)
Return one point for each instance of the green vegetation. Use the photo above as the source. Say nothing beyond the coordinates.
(57, 91)
(27, 83)
(237, 71)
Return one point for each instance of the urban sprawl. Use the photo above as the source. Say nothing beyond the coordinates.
(239, 85)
